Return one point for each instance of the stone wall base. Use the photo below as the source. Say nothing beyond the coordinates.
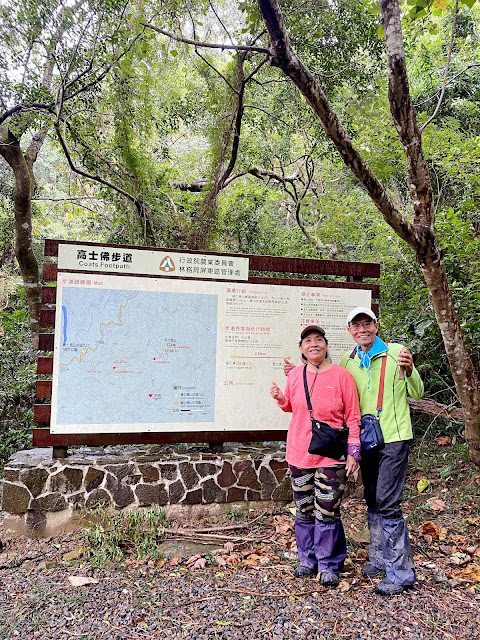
(43, 495)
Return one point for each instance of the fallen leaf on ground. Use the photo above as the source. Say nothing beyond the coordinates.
(362, 555)
(220, 561)
(199, 564)
(73, 555)
(430, 529)
(457, 539)
(438, 575)
(469, 574)
(252, 561)
(435, 504)
(81, 581)
(175, 560)
(444, 441)
(422, 484)
(192, 560)
(283, 524)
(344, 586)
(228, 546)
(460, 558)
(360, 537)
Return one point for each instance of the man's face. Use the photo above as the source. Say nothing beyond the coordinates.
(363, 330)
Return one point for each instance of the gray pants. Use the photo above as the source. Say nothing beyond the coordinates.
(383, 475)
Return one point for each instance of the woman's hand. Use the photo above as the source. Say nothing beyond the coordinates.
(277, 393)
(352, 465)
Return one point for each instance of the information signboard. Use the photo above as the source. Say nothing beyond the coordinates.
(131, 260)
(143, 354)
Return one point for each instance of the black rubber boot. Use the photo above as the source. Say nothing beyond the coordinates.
(387, 588)
(328, 579)
(371, 571)
(304, 572)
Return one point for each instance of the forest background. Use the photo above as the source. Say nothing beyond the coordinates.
(119, 126)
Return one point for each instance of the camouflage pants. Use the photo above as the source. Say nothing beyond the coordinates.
(318, 492)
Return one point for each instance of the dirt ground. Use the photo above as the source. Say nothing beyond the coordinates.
(231, 577)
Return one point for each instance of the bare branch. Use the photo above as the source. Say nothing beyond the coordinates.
(207, 45)
(220, 20)
(137, 202)
(216, 71)
(170, 201)
(447, 66)
(257, 68)
(35, 146)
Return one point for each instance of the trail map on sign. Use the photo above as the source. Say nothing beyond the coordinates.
(139, 354)
(132, 356)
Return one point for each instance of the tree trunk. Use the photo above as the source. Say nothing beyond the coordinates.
(463, 372)
(11, 151)
(204, 222)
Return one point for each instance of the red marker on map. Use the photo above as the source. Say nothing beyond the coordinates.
(150, 395)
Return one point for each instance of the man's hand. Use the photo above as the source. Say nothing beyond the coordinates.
(405, 360)
(288, 366)
(351, 466)
(277, 393)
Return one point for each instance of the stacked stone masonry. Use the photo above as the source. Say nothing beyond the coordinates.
(36, 485)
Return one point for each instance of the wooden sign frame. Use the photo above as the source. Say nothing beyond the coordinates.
(293, 271)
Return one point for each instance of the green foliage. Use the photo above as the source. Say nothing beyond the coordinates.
(17, 374)
(110, 536)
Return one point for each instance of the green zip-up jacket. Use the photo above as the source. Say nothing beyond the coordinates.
(395, 415)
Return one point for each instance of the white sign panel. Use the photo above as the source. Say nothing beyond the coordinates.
(154, 263)
(137, 354)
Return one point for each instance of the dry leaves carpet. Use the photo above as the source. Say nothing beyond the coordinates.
(243, 586)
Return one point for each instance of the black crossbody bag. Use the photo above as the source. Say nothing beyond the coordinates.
(326, 441)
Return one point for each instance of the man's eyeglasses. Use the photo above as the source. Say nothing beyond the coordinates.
(358, 325)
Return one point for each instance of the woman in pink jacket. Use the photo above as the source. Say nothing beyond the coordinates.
(318, 482)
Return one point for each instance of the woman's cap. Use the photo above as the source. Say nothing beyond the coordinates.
(361, 311)
(312, 328)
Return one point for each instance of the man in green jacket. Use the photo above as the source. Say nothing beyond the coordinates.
(384, 467)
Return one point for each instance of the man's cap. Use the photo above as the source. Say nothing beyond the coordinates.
(312, 328)
(359, 311)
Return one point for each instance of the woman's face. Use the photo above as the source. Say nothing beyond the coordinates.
(314, 347)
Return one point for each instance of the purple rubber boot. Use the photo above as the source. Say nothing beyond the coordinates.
(304, 533)
(330, 546)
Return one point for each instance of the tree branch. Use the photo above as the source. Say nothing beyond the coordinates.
(137, 202)
(447, 66)
(284, 57)
(209, 64)
(207, 45)
(404, 116)
(240, 80)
